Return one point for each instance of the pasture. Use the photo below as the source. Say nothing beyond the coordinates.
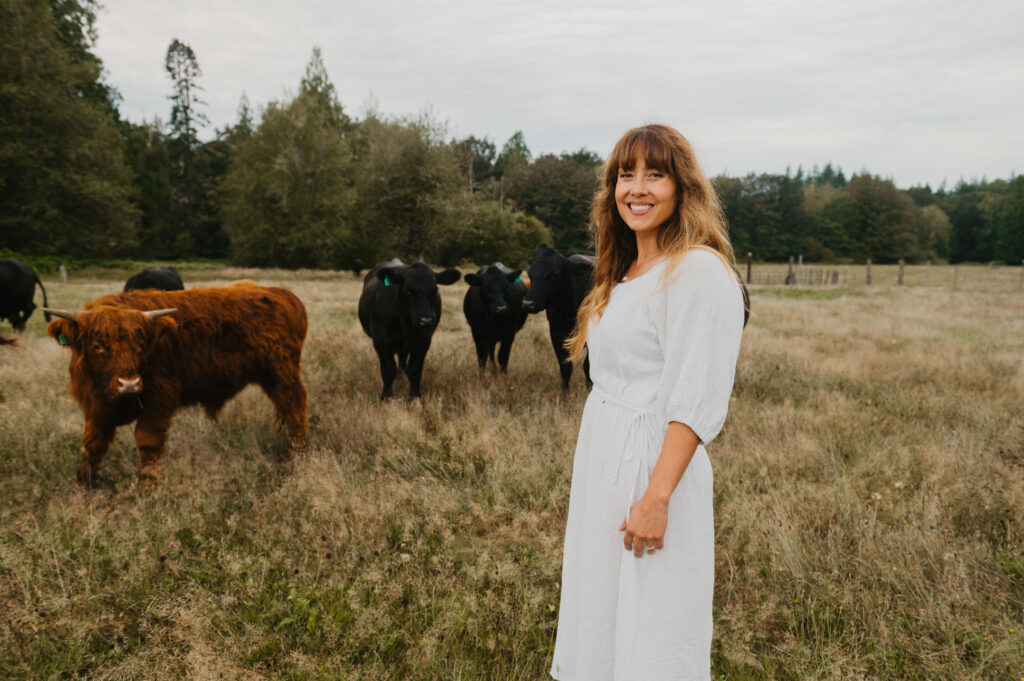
(869, 503)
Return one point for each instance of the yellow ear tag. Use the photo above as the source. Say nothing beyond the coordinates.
(62, 339)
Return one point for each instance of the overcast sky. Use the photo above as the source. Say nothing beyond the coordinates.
(917, 90)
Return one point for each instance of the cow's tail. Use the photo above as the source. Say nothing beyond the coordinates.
(45, 303)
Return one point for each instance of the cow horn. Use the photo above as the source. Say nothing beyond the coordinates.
(153, 314)
(66, 314)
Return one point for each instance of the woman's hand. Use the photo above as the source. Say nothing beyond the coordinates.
(645, 528)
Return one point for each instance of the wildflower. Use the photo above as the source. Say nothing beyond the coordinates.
(876, 496)
(405, 557)
(898, 484)
(170, 544)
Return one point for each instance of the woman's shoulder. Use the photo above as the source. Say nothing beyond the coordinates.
(701, 267)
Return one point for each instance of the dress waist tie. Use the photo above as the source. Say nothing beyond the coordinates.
(640, 443)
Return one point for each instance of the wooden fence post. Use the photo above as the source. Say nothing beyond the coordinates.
(750, 260)
(800, 269)
(901, 272)
(954, 276)
(835, 277)
(869, 271)
(63, 274)
(790, 277)
(927, 271)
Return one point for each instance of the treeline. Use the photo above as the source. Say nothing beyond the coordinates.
(307, 185)
(826, 217)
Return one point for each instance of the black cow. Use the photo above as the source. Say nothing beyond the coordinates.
(399, 309)
(17, 288)
(358, 266)
(162, 278)
(494, 309)
(558, 285)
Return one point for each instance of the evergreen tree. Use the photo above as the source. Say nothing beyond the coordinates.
(196, 167)
(318, 86)
(1010, 231)
(183, 68)
(64, 186)
(515, 153)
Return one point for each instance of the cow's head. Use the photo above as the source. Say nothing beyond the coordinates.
(496, 288)
(549, 271)
(111, 344)
(417, 290)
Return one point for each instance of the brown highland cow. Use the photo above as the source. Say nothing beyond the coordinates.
(141, 356)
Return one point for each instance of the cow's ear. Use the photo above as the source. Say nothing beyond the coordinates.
(391, 276)
(513, 276)
(64, 331)
(581, 265)
(448, 277)
(540, 249)
(473, 279)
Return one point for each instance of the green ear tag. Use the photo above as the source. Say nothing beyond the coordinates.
(387, 282)
(62, 339)
(519, 279)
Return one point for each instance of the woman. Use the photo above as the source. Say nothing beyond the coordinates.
(663, 325)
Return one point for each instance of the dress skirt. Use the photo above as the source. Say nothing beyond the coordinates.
(621, 617)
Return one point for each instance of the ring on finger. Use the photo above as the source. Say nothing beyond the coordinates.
(652, 548)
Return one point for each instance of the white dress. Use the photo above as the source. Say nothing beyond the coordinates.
(664, 350)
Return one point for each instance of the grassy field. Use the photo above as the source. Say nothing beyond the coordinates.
(869, 499)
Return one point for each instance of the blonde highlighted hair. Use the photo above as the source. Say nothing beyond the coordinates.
(697, 222)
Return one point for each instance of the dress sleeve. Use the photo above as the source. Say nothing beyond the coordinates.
(698, 317)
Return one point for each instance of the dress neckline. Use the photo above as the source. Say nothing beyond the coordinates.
(653, 267)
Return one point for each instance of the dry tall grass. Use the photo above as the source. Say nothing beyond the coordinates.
(869, 498)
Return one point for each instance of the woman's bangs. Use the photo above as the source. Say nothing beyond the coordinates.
(644, 145)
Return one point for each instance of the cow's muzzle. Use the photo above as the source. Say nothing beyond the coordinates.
(528, 305)
(425, 321)
(129, 386)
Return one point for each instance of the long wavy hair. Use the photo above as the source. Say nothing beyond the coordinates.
(697, 222)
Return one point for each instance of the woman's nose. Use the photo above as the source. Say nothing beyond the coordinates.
(639, 187)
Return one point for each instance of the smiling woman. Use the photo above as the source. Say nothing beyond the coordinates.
(663, 325)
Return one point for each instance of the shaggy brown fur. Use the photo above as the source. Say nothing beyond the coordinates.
(128, 367)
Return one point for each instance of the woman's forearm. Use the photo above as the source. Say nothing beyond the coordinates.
(676, 452)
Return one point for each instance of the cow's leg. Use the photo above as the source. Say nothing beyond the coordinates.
(481, 350)
(97, 440)
(402, 355)
(18, 321)
(491, 345)
(504, 352)
(415, 370)
(286, 391)
(564, 365)
(388, 370)
(150, 436)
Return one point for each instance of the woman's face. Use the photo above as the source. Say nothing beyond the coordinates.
(645, 197)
